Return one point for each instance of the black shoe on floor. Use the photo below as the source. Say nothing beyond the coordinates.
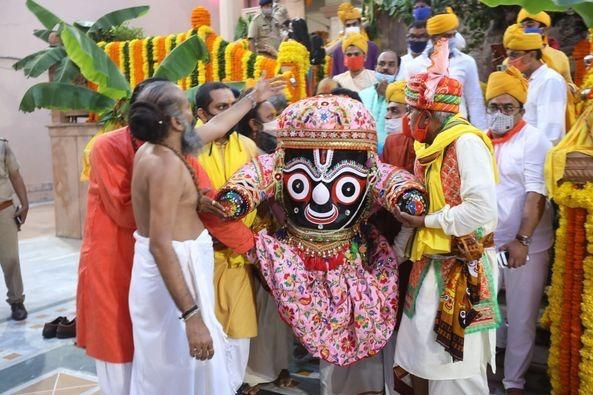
(19, 312)
(50, 329)
(66, 329)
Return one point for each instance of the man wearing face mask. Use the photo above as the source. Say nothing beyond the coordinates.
(233, 277)
(373, 97)
(399, 145)
(260, 125)
(417, 40)
(351, 18)
(265, 29)
(440, 341)
(524, 227)
(357, 78)
(461, 66)
(545, 107)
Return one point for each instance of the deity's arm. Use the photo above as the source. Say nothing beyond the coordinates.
(248, 187)
(398, 187)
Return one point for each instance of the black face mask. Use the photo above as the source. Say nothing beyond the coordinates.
(324, 189)
(266, 142)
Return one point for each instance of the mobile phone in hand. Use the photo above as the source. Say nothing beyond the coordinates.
(502, 257)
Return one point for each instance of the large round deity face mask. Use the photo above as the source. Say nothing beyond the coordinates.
(325, 188)
(327, 144)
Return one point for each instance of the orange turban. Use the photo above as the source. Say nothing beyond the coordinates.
(395, 92)
(347, 11)
(510, 81)
(541, 17)
(516, 39)
(356, 39)
(433, 90)
(442, 23)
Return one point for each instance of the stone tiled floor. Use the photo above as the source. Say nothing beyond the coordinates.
(30, 364)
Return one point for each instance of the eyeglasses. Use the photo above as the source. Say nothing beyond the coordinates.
(507, 109)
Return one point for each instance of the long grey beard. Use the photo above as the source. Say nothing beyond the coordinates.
(190, 141)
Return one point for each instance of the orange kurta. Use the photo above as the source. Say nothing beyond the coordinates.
(103, 320)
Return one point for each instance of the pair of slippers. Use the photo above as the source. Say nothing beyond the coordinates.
(61, 328)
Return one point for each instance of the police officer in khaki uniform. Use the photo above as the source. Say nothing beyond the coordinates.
(11, 219)
(265, 28)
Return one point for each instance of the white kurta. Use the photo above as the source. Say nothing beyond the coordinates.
(463, 68)
(363, 80)
(545, 108)
(417, 351)
(162, 363)
(521, 165)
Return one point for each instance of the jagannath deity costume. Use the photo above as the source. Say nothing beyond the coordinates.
(333, 276)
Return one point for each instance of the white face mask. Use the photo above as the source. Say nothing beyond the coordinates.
(352, 29)
(270, 127)
(500, 123)
(393, 126)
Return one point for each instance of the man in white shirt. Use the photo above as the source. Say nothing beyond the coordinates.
(524, 231)
(357, 78)
(440, 341)
(462, 67)
(545, 108)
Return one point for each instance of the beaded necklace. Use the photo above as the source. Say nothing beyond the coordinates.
(189, 168)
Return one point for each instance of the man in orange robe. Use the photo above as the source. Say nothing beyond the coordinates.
(104, 327)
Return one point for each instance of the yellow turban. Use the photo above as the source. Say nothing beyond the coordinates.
(347, 11)
(356, 39)
(510, 81)
(516, 39)
(541, 17)
(395, 92)
(442, 23)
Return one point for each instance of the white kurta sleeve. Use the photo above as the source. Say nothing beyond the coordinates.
(478, 192)
(472, 92)
(551, 109)
(536, 148)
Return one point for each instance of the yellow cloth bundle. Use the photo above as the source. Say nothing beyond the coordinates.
(442, 23)
(510, 81)
(356, 39)
(541, 17)
(347, 11)
(395, 92)
(516, 39)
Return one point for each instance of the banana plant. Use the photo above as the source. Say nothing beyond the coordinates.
(113, 90)
(65, 71)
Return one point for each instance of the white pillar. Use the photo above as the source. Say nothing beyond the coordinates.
(229, 15)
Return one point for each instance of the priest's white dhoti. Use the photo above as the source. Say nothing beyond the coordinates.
(162, 362)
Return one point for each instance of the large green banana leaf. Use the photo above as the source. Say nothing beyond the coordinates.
(118, 17)
(61, 96)
(41, 62)
(582, 7)
(46, 17)
(29, 58)
(182, 60)
(66, 71)
(42, 34)
(94, 63)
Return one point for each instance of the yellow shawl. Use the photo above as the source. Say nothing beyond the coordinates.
(433, 241)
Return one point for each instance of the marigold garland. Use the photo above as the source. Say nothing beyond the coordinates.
(294, 56)
(200, 16)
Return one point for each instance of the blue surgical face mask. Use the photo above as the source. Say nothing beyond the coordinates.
(386, 77)
(533, 30)
(421, 13)
(417, 46)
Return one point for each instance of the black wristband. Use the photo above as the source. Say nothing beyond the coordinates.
(187, 312)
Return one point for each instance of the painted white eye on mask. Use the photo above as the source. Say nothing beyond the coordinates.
(500, 123)
(393, 126)
(352, 29)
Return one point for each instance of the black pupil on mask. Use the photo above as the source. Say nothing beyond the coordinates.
(348, 189)
(298, 186)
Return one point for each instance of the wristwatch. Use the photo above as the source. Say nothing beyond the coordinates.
(525, 240)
